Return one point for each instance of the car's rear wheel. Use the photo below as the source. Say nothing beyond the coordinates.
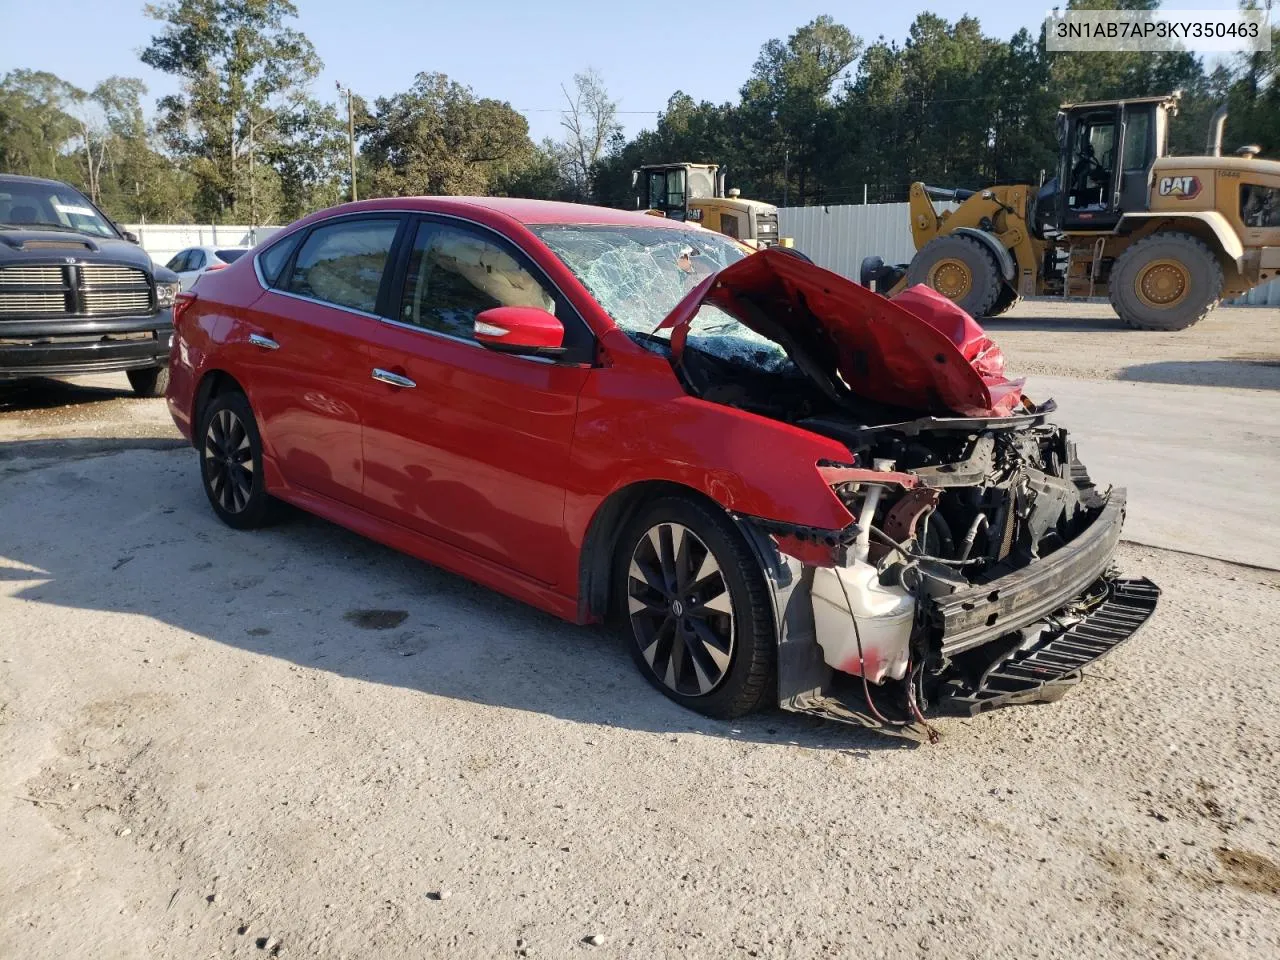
(231, 463)
(697, 606)
(152, 382)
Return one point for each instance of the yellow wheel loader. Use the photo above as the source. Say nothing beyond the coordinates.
(1164, 238)
(695, 192)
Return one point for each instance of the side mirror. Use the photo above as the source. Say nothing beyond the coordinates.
(131, 236)
(526, 331)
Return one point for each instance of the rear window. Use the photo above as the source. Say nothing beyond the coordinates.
(230, 256)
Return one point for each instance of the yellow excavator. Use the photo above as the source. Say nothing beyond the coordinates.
(695, 192)
(1164, 238)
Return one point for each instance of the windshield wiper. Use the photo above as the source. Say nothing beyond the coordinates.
(42, 226)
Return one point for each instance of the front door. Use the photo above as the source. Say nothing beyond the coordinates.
(460, 443)
(308, 355)
(1089, 184)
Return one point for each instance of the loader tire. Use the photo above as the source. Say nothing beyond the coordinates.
(961, 270)
(1005, 302)
(1167, 281)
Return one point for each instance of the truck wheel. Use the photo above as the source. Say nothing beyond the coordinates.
(152, 382)
(1166, 281)
(1005, 302)
(698, 608)
(961, 270)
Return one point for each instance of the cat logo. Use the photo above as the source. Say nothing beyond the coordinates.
(1184, 188)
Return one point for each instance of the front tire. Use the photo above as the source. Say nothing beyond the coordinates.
(1167, 281)
(960, 269)
(152, 382)
(699, 617)
(231, 463)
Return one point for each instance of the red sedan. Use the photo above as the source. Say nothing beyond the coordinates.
(790, 489)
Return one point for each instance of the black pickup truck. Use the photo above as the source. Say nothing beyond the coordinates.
(77, 294)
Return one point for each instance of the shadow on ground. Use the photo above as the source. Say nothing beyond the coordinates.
(1049, 324)
(45, 394)
(1247, 373)
(314, 594)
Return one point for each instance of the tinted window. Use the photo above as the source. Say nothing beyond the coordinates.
(455, 273)
(230, 256)
(342, 263)
(178, 263)
(196, 260)
(1137, 130)
(1259, 206)
(51, 206)
(272, 260)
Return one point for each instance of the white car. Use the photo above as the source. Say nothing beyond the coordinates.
(188, 264)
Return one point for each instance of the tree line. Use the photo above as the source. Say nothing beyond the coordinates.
(824, 116)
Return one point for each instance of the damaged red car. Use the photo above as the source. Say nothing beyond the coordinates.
(787, 488)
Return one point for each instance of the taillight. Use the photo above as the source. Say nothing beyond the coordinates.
(180, 305)
(216, 266)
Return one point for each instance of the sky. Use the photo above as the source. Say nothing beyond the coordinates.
(520, 51)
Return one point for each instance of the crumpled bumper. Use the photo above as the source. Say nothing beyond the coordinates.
(1044, 670)
(1021, 638)
(983, 612)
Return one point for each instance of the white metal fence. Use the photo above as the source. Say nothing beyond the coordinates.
(838, 237)
(163, 240)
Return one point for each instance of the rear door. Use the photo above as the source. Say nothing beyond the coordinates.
(471, 446)
(307, 350)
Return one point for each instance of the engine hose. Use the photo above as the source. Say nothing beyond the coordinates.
(913, 704)
(912, 555)
(980, 521)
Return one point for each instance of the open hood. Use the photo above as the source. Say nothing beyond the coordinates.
(918, 350)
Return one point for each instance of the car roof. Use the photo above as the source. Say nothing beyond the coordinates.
(527, 212)
(554, 211)
(20, 178)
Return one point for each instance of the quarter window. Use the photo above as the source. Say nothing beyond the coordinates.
(272, 260)
(1259, 205)
(342, 263)
(454, 274)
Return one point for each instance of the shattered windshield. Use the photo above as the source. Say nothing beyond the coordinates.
(638, 274)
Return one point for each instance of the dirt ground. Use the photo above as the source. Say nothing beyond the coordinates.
(1232, 347)
(298, 743)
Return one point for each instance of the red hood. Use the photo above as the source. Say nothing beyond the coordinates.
(918, 350)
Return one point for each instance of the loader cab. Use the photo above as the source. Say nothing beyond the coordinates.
(668, 188)
(1106, 150)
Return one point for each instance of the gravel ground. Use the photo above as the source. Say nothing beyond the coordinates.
(298, 743)
(1232, 347)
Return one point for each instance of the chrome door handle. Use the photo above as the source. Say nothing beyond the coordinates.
(394, 379)
(266, 343)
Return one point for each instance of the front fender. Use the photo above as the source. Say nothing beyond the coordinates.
(746, 463)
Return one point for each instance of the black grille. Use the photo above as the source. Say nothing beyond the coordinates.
(83, 290)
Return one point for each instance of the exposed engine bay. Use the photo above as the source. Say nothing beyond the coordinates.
(977, 568)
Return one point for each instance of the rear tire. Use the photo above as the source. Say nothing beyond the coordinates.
(231, 463)
(962, 270)
(1167, 281)
(699, 618)
(152, 382)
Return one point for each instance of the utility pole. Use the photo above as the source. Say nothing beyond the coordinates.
(786, 172)
(351, 135)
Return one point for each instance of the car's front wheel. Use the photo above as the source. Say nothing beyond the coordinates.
(231, 463)
(152, 382)
(697, 607)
